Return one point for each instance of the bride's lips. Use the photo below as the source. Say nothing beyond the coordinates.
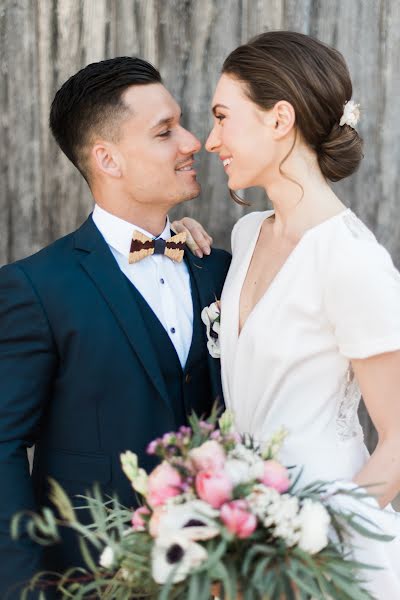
(226, 161)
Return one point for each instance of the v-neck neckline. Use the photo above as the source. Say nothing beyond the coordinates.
(282, 269)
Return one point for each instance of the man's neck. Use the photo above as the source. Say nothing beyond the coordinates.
(151, 221)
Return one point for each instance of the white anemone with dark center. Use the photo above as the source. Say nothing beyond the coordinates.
(195, 520)
(175, 555)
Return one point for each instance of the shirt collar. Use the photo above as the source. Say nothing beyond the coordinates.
(118, 232)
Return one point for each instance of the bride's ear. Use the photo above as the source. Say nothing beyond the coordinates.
(282, 119)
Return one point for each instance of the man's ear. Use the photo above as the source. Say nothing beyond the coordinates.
(282, 118)
(106, 159)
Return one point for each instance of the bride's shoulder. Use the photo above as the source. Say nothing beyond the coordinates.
(248, 225)
(353, 253)
(354, 230)
(353, 240)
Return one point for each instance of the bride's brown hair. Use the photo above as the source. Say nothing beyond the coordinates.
(314, 78)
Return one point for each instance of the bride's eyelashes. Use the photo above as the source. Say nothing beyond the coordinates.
(220, 118)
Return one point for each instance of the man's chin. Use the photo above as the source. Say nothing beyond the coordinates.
(190, 194)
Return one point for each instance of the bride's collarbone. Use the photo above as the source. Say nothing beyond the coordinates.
(267, 261)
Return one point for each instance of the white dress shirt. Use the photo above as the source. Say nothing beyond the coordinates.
(163, 283)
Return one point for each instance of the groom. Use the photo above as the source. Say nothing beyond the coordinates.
(102, 347)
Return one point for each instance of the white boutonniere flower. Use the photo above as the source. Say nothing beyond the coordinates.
(211, 317)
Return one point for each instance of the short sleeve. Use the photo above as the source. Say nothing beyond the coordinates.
(362, 299)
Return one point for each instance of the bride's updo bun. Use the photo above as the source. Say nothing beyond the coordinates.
(314, 78)
(340, 153)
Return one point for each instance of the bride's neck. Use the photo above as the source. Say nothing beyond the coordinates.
(301, 198)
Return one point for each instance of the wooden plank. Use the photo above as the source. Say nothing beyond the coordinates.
(22, 177)
(5, 196)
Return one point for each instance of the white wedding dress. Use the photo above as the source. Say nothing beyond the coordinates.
(337, 297)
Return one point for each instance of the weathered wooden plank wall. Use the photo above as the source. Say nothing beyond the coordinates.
(42, 42)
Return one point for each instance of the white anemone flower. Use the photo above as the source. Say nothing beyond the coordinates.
(175, 553)
(195, 520)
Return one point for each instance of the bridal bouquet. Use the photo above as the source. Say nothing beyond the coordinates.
(219, 515)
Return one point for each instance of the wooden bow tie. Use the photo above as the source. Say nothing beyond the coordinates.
(142, 246)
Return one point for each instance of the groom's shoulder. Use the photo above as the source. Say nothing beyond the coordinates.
(218, 261)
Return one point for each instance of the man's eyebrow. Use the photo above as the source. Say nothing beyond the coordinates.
(165, 121)
(216, 106)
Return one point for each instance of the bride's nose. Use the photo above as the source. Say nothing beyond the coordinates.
(213, 142)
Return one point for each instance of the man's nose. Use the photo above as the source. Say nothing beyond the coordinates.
(212, 142)
(189, 143)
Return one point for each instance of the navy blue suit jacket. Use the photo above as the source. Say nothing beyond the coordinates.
(77, 378)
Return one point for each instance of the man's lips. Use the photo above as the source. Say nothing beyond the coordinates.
(186, 167)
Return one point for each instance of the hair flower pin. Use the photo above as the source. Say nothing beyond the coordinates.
(351, 114)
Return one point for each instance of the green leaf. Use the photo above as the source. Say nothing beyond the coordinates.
(287, 587)
(194, 587)
(260, 570)
(354, 524)
(61, 501)
(220, 573)
(304, 582)
(87, 557)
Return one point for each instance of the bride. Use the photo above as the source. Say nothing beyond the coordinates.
(311, 305)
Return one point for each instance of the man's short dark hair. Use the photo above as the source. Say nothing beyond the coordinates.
(90, 102)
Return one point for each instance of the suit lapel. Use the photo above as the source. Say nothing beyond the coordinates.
(207, 295)
(203, 279)
(102, 268)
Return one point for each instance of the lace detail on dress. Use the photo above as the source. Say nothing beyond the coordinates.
(347, 423)
(356, 227)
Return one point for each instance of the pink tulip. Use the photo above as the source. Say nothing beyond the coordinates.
(163, 483)
(213, 487)
(137, 521)
(276, 476)
(210, 456)
(237, 519)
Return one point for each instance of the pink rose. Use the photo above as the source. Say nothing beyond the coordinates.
(137, 521)
(210, 456)
(213, 487)
(154, 523)
(163, 483)
(238, 519)
(276, 476)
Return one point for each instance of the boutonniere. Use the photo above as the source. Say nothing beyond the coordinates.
(211, 317)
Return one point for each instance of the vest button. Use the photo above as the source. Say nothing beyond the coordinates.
(188, 378)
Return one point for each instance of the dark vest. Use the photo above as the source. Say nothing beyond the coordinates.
(188, 388)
